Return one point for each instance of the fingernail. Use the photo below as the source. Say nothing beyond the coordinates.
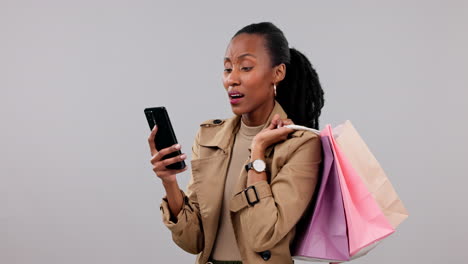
(177, 146)
(154, 127)
(183, 156)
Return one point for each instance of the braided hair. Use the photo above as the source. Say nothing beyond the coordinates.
(300, 92)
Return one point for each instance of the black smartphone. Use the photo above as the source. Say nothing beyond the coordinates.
(165, 137)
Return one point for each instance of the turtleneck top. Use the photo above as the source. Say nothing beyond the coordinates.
(225, 247)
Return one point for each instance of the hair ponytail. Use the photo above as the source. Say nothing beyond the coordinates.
(300, 93)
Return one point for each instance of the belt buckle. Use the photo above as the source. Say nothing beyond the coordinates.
(251, 203)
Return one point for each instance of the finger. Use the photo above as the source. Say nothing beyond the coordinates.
(151, 138)
(173, 160)
(168, 172)
(271, 126)
(284, 131)
(276, 117)
(287, 122)
(162, 164)
(280, 123)
(279, 134)
(287, 130)
(163, 152)
(274, 121)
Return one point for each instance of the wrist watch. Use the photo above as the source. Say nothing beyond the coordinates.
(258, 165)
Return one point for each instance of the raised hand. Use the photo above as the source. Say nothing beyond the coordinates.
(159, 165)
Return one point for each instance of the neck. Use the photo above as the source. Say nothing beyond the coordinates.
(259, 115)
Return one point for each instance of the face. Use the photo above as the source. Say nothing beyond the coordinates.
(248, 74)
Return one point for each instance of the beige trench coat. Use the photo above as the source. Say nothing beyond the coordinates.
(263, 231)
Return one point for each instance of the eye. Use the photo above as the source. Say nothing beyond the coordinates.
(246, 68)
(228, 70)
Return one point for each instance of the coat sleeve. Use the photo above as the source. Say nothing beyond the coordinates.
(186, 228)
(287, 196)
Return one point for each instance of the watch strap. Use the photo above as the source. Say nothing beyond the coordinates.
(249, 166)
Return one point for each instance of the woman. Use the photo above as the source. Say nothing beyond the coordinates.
(252, 178)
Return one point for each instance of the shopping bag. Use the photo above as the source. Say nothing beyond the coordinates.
(374, 177)
(321, 235)
(365, 220)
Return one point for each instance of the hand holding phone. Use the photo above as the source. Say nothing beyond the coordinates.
(163, 143)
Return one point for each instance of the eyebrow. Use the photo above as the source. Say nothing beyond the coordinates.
(241, 56)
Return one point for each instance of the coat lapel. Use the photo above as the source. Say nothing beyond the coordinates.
(209, 174)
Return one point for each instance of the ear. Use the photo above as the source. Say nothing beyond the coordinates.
(279, 72)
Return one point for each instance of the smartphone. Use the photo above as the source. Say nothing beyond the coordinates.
(165, 137)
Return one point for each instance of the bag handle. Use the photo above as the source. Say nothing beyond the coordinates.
(298, 127)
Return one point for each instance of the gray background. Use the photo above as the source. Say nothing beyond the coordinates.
(76, 182)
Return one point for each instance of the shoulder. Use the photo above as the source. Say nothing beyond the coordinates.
(213, 131)
(300, 137)
(210, 123)
(215, 125)
(305, 144)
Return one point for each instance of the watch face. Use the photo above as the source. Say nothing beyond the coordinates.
(259, 165)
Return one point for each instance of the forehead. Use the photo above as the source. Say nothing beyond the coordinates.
(246, 43)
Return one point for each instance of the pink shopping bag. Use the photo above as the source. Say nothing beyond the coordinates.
(365, 220)
(373, 175)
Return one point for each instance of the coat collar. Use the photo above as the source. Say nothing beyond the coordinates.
(223, 133)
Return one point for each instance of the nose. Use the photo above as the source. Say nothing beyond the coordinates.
(232, 79)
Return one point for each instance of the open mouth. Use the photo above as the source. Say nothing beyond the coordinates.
(235, 95)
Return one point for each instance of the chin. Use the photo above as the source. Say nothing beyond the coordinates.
(238, 110)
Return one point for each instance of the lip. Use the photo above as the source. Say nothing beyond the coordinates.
(235, 100)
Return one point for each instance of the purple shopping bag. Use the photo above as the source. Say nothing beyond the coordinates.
(321, 235)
